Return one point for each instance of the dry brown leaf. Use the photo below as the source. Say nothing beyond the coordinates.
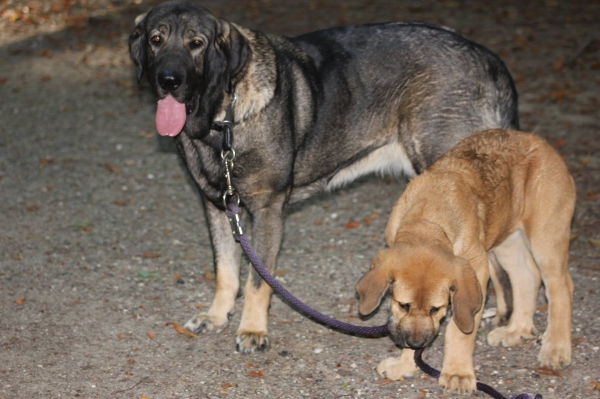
(20, 301)
(122, 336)
(32, 208)
(144, 397)
(151, 335)
(180, 330)
(559, 143)
(16, 256)
(352, 225)
(45, 161)
(112, 168)
(209, 275)
(150, 255)
(199, 305)
(594, 268)
(547, 371)
(595, 386)
(367, 220)
(119, 203)
(176, 276)
(248, 364)
(254, 373)
(594, 242)
(385, 381)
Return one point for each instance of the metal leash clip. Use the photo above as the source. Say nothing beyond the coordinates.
(230, 193)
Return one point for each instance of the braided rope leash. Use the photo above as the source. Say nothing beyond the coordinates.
(233, 213)
(480, 385)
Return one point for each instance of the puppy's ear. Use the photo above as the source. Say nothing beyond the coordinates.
(373, 286)
(137, 46)
(238, 53)
(466, 296)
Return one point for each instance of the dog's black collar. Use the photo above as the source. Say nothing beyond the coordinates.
(226, 125)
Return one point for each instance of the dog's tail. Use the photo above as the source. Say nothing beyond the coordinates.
(507, 102)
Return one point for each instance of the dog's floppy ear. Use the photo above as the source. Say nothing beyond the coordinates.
(137, 46)
(373, 286)
(466, 296)
(237, 52)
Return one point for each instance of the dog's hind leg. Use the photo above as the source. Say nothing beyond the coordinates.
(267, 232)
(547, 225)
(502, 289)
(227, 255)
(515, 259)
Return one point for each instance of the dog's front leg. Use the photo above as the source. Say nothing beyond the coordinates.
(227, 254)
(267, 231)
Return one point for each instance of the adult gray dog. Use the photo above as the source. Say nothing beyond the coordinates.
(312, 113)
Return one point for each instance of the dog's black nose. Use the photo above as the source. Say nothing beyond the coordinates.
(416, 344)
(169, 80)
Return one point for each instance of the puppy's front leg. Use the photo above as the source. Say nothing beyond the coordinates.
(458, 374)
(267, 231)
(395, 368)
(227, 253)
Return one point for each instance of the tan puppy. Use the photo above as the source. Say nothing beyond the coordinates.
(500, 197)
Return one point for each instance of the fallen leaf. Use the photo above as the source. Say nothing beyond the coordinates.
(46, 53)
(352, 225)
(122, 336)
(145, 274)
(119, 202)
(16, 256)
(176, 276)
(559, 143)
(150, 335)
(573, 237)
(45, 78)
(2, 81)
(226, 385)
(248, 364)
(559, 64)
(180, 330)
(209, 275)
(32, 208)
(144, 397)
(254, 373)
(367, 220)
(150, 255)
(547, 371)
(112, 168)
(585, 161)
(385, 381)
(594, 242)
(131, 361)
(20, 301)
(199, 305)
(279, 273)
(594, 268)
(595, 386)
(45, 161)
(87, 229)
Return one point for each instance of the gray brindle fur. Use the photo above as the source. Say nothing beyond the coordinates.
(312, 113)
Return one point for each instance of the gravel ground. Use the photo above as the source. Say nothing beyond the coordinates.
(103, 240)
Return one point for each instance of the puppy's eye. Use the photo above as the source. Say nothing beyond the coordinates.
(155, 39)
(433, 310)
(405, 306)
(196, 43)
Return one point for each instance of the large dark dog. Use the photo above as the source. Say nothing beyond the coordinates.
(312, 113)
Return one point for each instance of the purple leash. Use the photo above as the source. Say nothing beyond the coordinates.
(233, 212)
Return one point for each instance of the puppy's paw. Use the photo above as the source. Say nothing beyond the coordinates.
(556, 355)
(394, 369)
(203, 323)
(250, 342)
(463, 383)
(507, 336)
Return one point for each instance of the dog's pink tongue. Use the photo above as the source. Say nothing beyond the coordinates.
(170, 116)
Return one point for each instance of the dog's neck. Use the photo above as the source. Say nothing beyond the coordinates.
(422, 230)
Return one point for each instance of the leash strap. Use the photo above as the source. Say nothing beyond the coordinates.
(232, 211)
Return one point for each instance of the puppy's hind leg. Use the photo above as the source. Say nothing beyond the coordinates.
(227, 259)
(267, 232)
(548, 229)
(502, 289)
(516, 260)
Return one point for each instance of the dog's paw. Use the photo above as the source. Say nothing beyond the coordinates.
(507, 336)
(203, 323)
(394, 369)
(555, 355)
(463, 383)
(250, 342)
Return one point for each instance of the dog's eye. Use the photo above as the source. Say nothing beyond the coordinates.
(196, 43)
(405, 306)
(155, 39)
(433, 310)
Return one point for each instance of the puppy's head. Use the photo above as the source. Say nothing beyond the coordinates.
(424, 282)
(191, 58)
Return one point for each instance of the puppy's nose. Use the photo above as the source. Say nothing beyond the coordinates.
(169, 80)
(415, 343)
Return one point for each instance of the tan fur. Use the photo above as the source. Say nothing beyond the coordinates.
(503, 193)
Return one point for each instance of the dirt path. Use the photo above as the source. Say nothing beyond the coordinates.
(103, 241)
